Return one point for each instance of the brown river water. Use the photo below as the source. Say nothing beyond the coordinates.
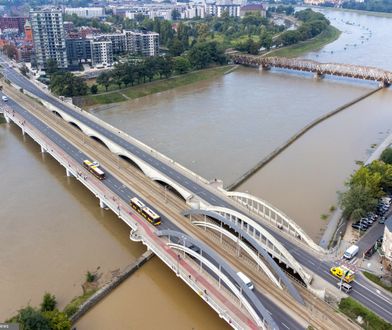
(53, 231)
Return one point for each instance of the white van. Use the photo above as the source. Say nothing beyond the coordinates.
(351, 252)
(246, 280)
(4, 98)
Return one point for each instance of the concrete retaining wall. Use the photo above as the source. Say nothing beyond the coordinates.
(109, 287)
(294, 138)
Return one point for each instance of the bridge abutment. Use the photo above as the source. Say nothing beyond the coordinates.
(68, 172)
(102, 204)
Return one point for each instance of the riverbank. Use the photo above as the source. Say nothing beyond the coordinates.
(336, 226)
(154, 87)
(324, 38)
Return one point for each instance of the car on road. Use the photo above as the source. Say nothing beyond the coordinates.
(381, 220)
(4, 98)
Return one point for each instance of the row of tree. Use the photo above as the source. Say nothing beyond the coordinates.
(366, 186)
(200, 56)
(67, 84)
(313, 24)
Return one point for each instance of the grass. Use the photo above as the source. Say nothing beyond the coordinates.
(371, 321)
(75, 303)
(2, 119)
(153, 87)
(377, 280)
(324, 38)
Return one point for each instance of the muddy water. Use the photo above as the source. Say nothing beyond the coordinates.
(51, 229)
(304, 179)
(365, 40)
(153, 298)
(221, 128)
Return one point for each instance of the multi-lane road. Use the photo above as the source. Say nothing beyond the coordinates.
(283, 319)
(363, 291)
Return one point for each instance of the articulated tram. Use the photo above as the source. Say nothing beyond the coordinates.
(93, 167)
(145, 211)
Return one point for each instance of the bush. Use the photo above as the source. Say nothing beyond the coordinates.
(48, 302)
(90, 277)
(71, 310)
(94, 89)
(386, 156)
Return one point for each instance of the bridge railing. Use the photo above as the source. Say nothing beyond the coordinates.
(139, 229)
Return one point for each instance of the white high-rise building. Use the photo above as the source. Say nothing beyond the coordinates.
(49, 37)
(144, 43)
(86, 12)
(101, 52)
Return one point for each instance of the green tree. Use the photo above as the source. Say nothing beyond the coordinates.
(104, 79)
(175, 47)
(67, 84)
(51, 67)
(386, 156)
(94, 89)
(181, 64)
(357, 202)
(57, 320)
(48, 302)
(366, 178)
(31, 319)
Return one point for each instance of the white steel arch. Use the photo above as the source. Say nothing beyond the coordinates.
(270, 243)
(243, 246)
(273, 215)
(224, 278)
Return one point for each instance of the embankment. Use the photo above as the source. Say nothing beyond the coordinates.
(109, 287)
(294, 138)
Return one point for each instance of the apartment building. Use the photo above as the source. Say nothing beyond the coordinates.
(144, 43)
(86, 12)
(49, 37)
(101, 52)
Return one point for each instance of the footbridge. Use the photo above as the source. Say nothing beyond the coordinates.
(381, 76)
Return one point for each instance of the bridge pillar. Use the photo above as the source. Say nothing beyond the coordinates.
(318, 75)
(102, 204)
(7, 119)
(264, 67)
(68, 172)
(42, 148)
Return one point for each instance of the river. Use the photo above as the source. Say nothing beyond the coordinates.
(54, 231)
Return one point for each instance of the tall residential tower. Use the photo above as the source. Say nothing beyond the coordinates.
(49, 37)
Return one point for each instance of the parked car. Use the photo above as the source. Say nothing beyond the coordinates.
(4, 98)
(357, 226)
(381, 220)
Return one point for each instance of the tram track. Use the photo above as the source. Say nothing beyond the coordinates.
(172, 206)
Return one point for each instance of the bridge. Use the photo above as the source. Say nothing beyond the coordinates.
(381, 76)
(248, 227)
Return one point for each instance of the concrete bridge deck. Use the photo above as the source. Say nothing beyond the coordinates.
(198, 188)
